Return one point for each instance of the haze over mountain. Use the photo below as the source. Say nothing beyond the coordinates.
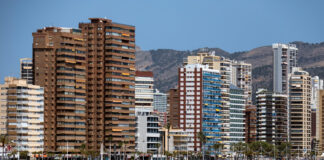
(165, 63)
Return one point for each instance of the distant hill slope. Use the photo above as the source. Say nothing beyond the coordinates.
(165, 62)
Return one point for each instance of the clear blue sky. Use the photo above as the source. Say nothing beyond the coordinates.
(233, 25)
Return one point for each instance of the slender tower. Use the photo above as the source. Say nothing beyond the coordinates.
(284, 58)
(59, 66)
(110, 84)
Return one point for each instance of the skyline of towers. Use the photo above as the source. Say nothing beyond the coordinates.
(93, 96)
(234, 72)
(88, 97)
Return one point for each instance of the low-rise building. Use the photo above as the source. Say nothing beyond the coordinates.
(250, 123)
(147, 136)
(174, 140)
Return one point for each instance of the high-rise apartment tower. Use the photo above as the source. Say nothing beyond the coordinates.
(23, 122)
(200, 104)
(173, 103)
(271, 117)
(110, 70)
(284, 58)
(59, 59)
(300, 111)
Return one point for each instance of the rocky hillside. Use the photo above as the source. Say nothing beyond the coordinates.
(165, 62)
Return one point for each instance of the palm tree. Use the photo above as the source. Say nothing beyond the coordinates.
(83, 150)
(23, 154)
(168, 127)
(125, 148)
(284, 149)
(121, 147)
(158, 149)
(216, 148)
(168, 154)
(249, 152)
(203, 140)
(110, 140)
(4, 140)
(12, 154)
(240, 148)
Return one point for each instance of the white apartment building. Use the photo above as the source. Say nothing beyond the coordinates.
(147, 135)
(24, 106)
(144, 96)
(242, 78)
(284, 58)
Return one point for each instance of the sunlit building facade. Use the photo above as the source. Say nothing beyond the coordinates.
(200, 104)
(24, 120)
(300, 110)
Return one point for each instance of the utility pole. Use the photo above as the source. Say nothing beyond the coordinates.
(67, 149)
(274, 150)
(187, 148)
(110, 151)
(19, 149)
(43, 153)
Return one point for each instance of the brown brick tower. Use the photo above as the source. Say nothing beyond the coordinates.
(59, 66)
(110, 84)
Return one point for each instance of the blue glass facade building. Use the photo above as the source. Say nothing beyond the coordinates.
(211, 124)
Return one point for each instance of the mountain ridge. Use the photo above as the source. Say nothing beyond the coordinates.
(165, 62)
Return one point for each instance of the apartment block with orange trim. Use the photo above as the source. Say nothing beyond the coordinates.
(59, 63)
(110, 84)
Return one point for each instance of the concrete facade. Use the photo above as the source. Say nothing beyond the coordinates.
(237, 114)
(284, 58)
(26, 69)
(300, 111)
(24, 120)
(147, 132)
(272, 117)
(200, 104)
